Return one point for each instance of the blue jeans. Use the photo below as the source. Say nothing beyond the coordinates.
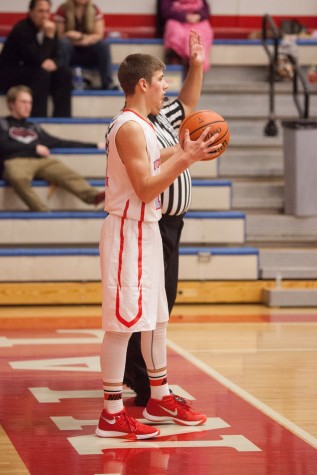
(95, 56)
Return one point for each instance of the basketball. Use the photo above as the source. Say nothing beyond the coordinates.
(198, 121)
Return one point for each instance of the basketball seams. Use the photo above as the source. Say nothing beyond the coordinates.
(203, 127)
(193, 115)
(198, 121)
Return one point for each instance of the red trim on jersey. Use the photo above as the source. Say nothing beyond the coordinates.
(140, 309)
(140, 116)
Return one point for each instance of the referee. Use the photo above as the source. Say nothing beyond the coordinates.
(175, 202)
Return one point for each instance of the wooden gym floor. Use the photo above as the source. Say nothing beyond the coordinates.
(252, 369)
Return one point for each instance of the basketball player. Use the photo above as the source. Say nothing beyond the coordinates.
(131, 254)
(175, 202)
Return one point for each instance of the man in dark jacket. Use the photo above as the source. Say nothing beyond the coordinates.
(30, 56)
(24, 155)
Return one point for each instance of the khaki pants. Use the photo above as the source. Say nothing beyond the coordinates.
(20, 172)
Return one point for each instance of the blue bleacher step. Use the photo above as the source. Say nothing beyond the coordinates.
(206, 195)
(210, 195)
(219, 263)
(100, 103)
(82, 264)
(87, 129)
(77, 227)
(91, 103)
(214, 227)
(173, 74)
(77, 151)
(72, 120)
(81, 160)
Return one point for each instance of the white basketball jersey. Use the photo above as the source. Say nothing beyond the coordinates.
(121, 199)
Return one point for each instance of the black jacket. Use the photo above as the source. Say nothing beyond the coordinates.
(22, 47)
(19, 138)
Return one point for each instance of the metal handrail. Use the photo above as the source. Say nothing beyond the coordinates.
(268, 25)
(300, 77)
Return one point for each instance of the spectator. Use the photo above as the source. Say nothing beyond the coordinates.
(30, 56)
(179, 17)
(80, 27)
(24, 153)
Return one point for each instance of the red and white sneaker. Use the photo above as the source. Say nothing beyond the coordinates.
(173, 408)
(123, 425)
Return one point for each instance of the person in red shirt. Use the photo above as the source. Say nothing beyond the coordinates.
(80, 28)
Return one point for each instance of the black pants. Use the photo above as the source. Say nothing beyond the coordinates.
(135, 370)
(92, 56)
(58, 84)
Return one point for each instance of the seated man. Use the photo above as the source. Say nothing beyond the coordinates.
(30, 56)
(24, 155)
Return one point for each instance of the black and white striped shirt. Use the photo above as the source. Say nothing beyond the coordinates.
(176, 199)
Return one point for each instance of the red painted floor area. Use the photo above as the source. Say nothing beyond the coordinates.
(51, 400)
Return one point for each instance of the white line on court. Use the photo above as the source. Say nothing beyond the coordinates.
(245, 395)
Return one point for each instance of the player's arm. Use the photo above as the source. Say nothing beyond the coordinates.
(168, 152)
(191, 89)
(131, 145)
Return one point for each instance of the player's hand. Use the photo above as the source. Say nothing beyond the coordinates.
(201, 148)
(196, 48)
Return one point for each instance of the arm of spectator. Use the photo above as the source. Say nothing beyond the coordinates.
(49, 46)
(87, 39)
(51, 141)
(60, 27)
(13, 148)
(49, 28)
(73, 35)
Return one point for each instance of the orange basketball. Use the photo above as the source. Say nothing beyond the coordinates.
(198, 121)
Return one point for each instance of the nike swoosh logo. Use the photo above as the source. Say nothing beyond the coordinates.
(172, 413)
(111, 421)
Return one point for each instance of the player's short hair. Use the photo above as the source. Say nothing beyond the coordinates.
(14, 91)
(33, 3)
(137, 66)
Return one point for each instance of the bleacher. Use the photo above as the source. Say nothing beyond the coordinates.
(236, 239)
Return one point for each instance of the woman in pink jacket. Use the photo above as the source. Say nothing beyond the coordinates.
(181, 16)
